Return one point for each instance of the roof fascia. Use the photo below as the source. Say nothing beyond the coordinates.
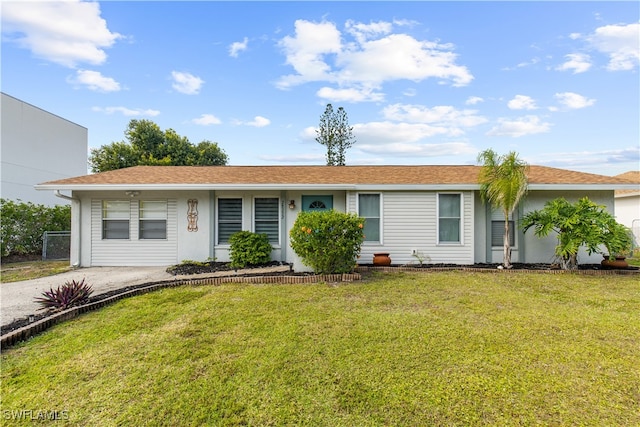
(182, 187)
(352, 187)
(580, 187)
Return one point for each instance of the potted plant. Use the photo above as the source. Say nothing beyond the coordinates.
(617, 240)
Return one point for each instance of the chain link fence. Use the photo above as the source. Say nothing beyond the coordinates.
(56, 245)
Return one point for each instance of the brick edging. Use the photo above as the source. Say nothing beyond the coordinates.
(26, 332)
(391, 269)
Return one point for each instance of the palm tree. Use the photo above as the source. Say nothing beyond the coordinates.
(503, 183)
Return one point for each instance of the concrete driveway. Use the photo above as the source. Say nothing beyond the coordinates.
(17, 298)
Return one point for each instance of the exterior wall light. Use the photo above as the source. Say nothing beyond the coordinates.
(292, 204)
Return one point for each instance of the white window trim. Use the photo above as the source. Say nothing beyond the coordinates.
(253, 217)
(166, 219)
(461, 231)
(381, 226)
(103, 219)
(217, 218)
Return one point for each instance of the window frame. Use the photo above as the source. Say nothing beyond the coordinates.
(241, 221)
(460, 218)
(105, 220)
(380, 218)
(141, 219)
(277, 217)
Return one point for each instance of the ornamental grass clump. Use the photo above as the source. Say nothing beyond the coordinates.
(328, 241)
(65, 296)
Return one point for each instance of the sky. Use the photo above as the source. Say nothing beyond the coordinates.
(422, 82)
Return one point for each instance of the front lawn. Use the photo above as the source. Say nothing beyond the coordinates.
(448, 348)
(26, 270)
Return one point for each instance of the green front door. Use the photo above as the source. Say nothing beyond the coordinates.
(317, 203)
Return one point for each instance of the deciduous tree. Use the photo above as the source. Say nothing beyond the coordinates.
(147, 144)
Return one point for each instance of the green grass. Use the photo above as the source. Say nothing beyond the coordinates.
(17, 271)
(447, 348)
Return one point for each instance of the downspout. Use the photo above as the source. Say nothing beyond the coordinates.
(75, 236)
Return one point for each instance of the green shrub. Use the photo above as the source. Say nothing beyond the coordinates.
(248, 249)
(65, 296)
(328, 241)
(23, 225)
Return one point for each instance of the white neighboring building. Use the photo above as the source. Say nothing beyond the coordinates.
(38, 146)
(627, 205)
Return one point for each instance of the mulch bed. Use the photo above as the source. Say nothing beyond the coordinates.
(216, 266)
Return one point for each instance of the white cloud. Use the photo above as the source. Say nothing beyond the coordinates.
(584, 159)
(522, 126)
(400, 149)
(206, 120)
(259, 122)
(186, 83)
(294, 158)
(126, 111)
(473, 100)
(94, 80)
(350, 95)
(64, 32)
(578, 62)
(363, 32)
(441, 115)
(620, 42)
(305, 51)
(573, 101)
(522, 102)
(374, 56)
(238, 47)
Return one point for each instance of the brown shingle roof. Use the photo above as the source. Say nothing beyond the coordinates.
(631, 176)
(309, 175)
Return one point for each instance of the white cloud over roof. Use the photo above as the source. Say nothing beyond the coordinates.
(527, 125)
(64, 32)
(620, 42)
(573, 101)
(94, 80)
(364, 57)
(186, 83)
(576, 62)
(522, 102)
(127, 111)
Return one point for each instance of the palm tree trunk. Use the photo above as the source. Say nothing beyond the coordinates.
(507, 250)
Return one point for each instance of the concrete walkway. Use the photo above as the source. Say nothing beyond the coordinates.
(17, 298)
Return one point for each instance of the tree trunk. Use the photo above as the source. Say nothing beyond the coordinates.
(507, 249)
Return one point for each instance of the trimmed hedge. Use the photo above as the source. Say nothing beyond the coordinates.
(23, 225)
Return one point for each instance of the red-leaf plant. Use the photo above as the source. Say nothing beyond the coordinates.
(65, 296)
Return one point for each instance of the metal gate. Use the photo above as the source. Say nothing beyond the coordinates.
(56, 245)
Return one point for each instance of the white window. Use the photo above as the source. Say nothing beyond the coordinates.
(266, 214)
(369, 209)
(153, 219)
(229, 218)
(115, 219)
(449, 218)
